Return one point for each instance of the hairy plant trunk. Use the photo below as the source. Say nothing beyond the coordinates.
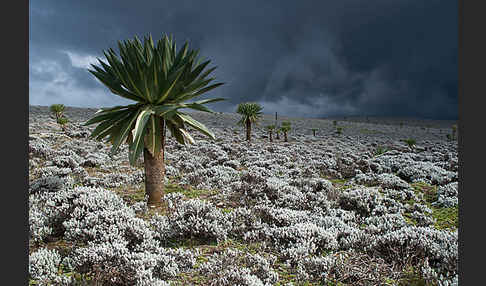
(248, 130)
(154, 173)
(271, 139)
(313, 131)
(278, 137)
(285, 136)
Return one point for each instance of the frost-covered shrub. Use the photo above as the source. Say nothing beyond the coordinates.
(415, 243)
(251, 192)
(171, 171)
(365, 179)
(401, 195)
(65, 162)
(188, 166)
(257, 270)
(34, 163)
(384, 180)
(362, 201)
(254, 175)
(421, 208)
(385, 223)
(101, 226)
(85, 214)
(301, 239)
(44, 265)
(237, 276)
(39, 148)
(346, 166)
(431, 274)
(89, 181)
(113, 262)
(315, 267)
(52, 171)
(422, 219)
(77, 131)
(390, 163)
(350, 268)
(314, 184)
(47, 212)
(140, 207)
(94, 160)
(193, 218)
(243, 221)
(65, 152)
(391, 181)
(311, 230)
(235, 164)
(288, 197)
(39, 227)
(99, 215)
(50, 184)
(427, 172)
(117, 179)
(214, 177)
(121, 248)
(280, 216)
(447, 195)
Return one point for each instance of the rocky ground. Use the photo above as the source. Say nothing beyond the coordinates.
(357, 208)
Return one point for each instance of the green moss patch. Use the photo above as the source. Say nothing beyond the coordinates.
(188, 191)
(338, 183)
(130, 195)
(429, 191)
(446, 218)
(370, 131)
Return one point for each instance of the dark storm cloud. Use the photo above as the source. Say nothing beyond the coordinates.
(302, 58)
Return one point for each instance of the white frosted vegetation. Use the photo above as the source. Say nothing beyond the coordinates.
(315, 206)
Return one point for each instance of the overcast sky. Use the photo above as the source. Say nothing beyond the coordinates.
(299, 58)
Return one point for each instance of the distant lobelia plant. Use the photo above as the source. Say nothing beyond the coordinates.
(454, 130)
(334, 122)
(250, 113)
(410, 142)
(270, 129)
(57, 110)
(314, 131)
(160, 80)
(339, 130)
(401, 124)
(277, 129)
(285, 128)
(63, 121)
(380, 150)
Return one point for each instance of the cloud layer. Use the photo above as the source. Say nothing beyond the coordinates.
(302, 58)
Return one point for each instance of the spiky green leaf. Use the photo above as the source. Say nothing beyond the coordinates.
(187, 136)
(125, 130)
(195, 124)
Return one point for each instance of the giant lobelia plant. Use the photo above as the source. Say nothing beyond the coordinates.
(160, 80)
(285, 128)
(250, 113)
